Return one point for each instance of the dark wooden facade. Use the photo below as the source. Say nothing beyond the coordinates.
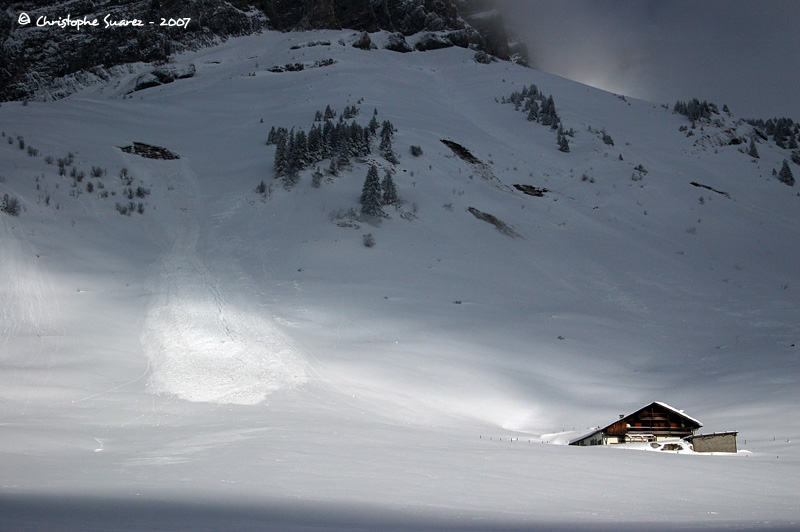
(654, 422)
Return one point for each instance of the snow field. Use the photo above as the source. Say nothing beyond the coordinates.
(250, 352)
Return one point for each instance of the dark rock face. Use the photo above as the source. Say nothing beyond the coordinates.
(34, 58)
(396, 42)
(403, 16)
(162, 75)
(432, 41)
(364, 42)
(52, 62)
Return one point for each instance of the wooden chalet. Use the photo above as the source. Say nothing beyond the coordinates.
(654, 422)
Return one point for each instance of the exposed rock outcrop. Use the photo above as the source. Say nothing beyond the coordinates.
(35, 61)
(50, 62)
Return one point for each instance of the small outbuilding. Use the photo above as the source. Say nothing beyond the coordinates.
(652, 423)
(716, 442)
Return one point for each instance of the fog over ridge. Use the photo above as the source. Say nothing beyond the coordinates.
(744, 54)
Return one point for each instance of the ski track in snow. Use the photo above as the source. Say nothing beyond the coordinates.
(206, 343)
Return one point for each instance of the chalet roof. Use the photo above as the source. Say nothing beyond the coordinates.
(584, 435)
(665, 406)
(679, 412)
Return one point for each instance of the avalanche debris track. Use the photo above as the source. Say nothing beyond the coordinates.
(207, 342)
(27, 305)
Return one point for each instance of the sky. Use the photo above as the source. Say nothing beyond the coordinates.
(743, 53)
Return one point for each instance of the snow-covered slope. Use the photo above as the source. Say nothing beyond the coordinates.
(248, 353)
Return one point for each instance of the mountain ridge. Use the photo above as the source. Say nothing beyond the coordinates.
(52, 61)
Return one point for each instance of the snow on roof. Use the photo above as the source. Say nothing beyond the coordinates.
(681, 413)
(663, 405)
(584, 435)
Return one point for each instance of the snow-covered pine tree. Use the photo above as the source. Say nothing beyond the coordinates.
(545, 113)
(316, 177)
(373, 125)
(533, 112)
(315, 143)
(291, 153)
(342, 158)
(385, 148)
(554, 119)
(387, 129)
(328, 140)
(785, 175)
(301, 155)
(389, 190)
(333, 169)
(371, 193)
(280, 156)
(563, 143)
(291, 178)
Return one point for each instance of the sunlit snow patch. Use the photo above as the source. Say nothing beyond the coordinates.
(204, 350)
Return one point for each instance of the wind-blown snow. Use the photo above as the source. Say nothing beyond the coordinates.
(248, 355)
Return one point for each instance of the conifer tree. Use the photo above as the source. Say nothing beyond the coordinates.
(387, 129)
(533, 112)
(371, 193)
(385, 148)
(389, 190)
(328, 141)
(316, 177)
(785, 175)
(301, 155)
(291, 154)
(546, 114)
(333, 169)
(373, 125)
(563, 143)
(315, 144)
(280, 156)
(342, 158)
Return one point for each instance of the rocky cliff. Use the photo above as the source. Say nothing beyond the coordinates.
(50, 57)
